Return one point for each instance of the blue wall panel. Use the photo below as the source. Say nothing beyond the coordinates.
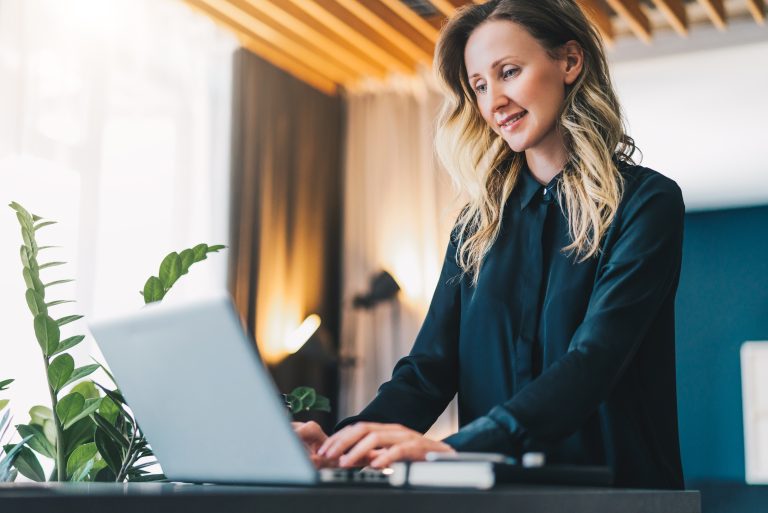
(722, 302)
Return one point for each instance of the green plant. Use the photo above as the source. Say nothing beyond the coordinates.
(90, 436)
(306, 399)
(7, 471)
(63, 431)
(174, 266)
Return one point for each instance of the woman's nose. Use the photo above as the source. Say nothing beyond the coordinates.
(498, 97)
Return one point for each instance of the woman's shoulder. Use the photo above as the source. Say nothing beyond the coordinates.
(643, 182)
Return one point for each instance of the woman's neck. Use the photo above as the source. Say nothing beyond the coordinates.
(545, 165)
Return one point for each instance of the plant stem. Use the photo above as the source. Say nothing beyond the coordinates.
(61, 458)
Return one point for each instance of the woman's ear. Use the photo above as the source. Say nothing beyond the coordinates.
(573, 61)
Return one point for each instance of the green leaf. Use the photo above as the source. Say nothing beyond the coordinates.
(216, 248)
(59, 302)
(306, 395)
(38, 441)
(25, 256)
(47, 333)
(57, 282)
(47, 247)
(199, 251)
(39, 414)
(29, 241)
(23, 212)
(80, 457)
(4, 403)
(90, 406)
(79, 433)
(68, 319)
(109, 450)
(109, 410)
(170, 270)
(51, 264)
(32, 280)
(43, 224)
(87, 389)
(322, 404)
(35, 302)
(69, 407)
(108, 429)
(8, 460)
(153, 290)
(60, 371)
(69, 343)
(49, 428)
(27, 465)
(187, 259)
(4, 383)
(81, 372)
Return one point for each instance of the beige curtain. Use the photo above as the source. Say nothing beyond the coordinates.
(398, 212)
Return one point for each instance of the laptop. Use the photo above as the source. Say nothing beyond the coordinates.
(203, 397)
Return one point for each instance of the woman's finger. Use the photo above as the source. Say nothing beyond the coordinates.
(340, 442)
(310, 433)
(411, 450)
(357, 455)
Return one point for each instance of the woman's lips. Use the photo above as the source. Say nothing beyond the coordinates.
(514, 122)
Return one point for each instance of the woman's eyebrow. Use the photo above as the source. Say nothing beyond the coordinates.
(493, 64)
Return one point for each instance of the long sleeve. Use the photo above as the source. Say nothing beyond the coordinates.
(637, 274)
(425, 381)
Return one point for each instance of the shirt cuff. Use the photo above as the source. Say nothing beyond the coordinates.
(498, 431)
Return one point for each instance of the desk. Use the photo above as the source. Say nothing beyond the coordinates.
(170, 498)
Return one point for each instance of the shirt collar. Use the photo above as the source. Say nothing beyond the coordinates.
(528, 186)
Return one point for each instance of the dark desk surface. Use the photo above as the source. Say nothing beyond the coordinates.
(168, 498)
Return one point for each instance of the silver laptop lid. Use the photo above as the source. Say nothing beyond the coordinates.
(201, 394)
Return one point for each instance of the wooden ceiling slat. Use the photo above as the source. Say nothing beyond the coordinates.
(386, 30)
(636, 19)
(757, 9)
(354, 37)
(716, 12)
(266, 51)
(674, 11)
(260, 30)
(444, 6)
(413, 19)
(400, 26)
(323, 44)
(600, 19)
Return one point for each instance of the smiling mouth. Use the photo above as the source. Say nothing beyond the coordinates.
(509, 122)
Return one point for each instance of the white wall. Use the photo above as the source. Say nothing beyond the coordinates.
(698, 109)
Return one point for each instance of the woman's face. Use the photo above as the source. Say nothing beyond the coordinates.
(518, 87)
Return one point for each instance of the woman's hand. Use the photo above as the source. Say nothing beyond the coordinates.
(378, 445)
(313, 436)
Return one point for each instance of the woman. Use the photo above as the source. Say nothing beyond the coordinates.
(553, 318)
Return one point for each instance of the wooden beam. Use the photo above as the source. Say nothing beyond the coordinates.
(675, 12)
(600, 19)
(386, 30)
(716, 12)
(413, 19)
(277, 58)
(275, 38)
(444, 6)
(634, 16)
(385, 14)
(312, 37)
(355, 38)
(757, 8)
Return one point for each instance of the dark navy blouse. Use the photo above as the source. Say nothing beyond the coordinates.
(576, 360)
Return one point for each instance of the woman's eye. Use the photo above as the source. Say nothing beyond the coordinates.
(480, 88)
(509, 72)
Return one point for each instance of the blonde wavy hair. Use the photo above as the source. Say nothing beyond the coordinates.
(485, 169)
